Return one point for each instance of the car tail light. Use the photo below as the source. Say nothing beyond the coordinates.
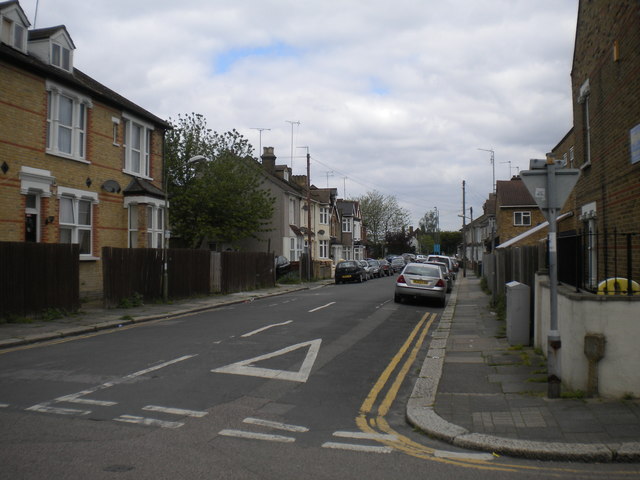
(401, 279)
(440, 283)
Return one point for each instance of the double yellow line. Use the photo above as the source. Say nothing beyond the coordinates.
(371, 418)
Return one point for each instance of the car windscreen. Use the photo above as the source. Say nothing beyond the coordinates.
(346, 264)
(424, 270)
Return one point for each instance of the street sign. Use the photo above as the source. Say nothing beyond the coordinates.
(537, 182)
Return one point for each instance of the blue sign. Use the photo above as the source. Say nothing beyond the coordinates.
(436, 248)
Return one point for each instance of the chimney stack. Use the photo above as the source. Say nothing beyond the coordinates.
(268, 159)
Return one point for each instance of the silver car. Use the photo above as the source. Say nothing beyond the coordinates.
(420, 280)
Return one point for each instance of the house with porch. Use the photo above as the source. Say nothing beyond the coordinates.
(79, 163)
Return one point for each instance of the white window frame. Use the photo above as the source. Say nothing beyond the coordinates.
(295, 248)
(132, 226)
(16, 34)
(143, 149)
(155, 226)
(519, 219)
(116, 126)
(74, 226)
(323, 248)
(347, 253)
(583, 99)
(77, 127)
(357, 230)
(324, 215)
(61, 56)
(347, 225)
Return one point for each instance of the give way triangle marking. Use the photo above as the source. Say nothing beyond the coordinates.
(246, 367)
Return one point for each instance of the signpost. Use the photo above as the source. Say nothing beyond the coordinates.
(550, 187)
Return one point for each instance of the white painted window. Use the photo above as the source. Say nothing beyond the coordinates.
(357, 230)
(346, 225)
(60, 56)
(137, 144)
(13, 34)
(324, 215)
(295, 249)
(323, 246)
(76, 218)
(521, 219)
(347, 253)
(133, 226)
(155, 226)
(66, 122)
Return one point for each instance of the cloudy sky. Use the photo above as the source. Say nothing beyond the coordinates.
(395, 96)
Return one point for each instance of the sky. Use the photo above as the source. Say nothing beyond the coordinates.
(404, 97)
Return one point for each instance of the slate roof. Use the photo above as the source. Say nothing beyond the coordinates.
(513, 193)
(78, 81)
(140, 186)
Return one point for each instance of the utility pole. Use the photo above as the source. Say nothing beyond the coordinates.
(309, 262)
(464, 231)
(329, 174)
(260, 130)
(292, 124)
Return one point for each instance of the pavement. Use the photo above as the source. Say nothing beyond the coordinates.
(473, 390)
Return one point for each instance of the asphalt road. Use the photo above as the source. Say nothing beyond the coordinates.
(307, 385)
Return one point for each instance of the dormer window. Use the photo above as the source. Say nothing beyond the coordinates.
(60, 57)
(13, 34)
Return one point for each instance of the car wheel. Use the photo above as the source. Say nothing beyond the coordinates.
(397, 298)
(337, 282)
(442, 303)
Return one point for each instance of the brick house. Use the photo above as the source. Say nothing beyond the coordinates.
(604, 142)
(516, 212)
(352, 234)
(79, 163)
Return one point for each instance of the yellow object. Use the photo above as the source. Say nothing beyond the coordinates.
(617, 286)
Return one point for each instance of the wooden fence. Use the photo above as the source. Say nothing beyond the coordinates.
(242, 271)
(38, 276)
(128, 272)
(518, 264)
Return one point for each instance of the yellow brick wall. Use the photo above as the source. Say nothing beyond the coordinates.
(506, 230)
(23, 110)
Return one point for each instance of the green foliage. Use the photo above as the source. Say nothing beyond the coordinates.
(219, 197)
(575, 394)
(382, 216)
(135, 300)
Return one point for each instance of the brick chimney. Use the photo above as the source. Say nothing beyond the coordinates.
(268, 159)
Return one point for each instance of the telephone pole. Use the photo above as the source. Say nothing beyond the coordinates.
(493, 166)
(309, 262)
(464, 231)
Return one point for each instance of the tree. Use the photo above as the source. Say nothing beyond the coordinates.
(450, 241)
(381, 215)
(399, 242)
(214, 184)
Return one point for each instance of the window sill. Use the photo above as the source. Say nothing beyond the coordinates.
(88, 258)
(68, 157)
(136, 174)
(584, 166)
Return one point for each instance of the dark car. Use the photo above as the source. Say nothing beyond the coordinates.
(282, 265)
(349, 271)
(397, 264)
(385, 268)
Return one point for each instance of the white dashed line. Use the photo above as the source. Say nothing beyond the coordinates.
(357, 448)
(149, 422)
(257, 436)
(265, 328)
(175, 411)
(275, 425)
(320, 308)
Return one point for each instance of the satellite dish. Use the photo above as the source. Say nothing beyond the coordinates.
(111, 186)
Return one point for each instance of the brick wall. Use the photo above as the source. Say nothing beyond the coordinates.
(23, 110)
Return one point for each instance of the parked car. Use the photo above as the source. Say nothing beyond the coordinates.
(385, 268)
(448, 275)
(444, 259)
(375, 268)
(282, 265)
(349, 271)
(421, 258)
(419, 280)
(397, 264)
(367, 268)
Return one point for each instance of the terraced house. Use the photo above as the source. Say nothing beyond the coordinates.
(79, 163)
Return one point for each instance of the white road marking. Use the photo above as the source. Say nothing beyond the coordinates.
(265, 328)
(256, 436)
(4, 405)
(463, 455)
(44, 408)
(75, 397)
(246, 367)
(175, 411)
(366, 436)
(357, 448)
(320, 308)
(276, 425)
(149, 422)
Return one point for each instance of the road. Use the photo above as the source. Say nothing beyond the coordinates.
(306, 385)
